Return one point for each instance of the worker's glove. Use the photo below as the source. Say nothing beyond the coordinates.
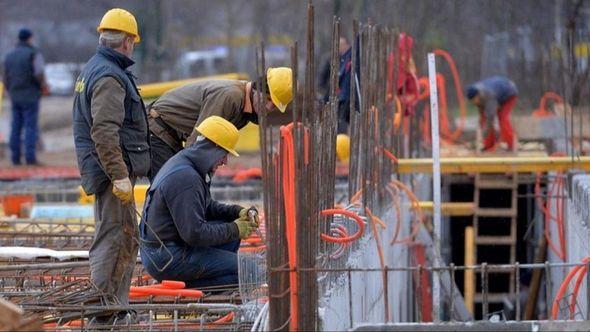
(245, 227)
(251, 214)
(123, 189)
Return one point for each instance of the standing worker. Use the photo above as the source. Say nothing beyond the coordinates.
(494, 95)
(111, 136)
(343, 89)
(25, 82)
(201, 235)
(174, 115)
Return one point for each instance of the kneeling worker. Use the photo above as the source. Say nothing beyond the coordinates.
(174, 115)
(202, 234)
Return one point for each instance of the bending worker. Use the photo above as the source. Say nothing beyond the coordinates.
(201, 234)
(174, 115)
(494, 95)
(111, 137)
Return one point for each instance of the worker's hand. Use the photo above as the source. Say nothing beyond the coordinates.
(245, 227)
(251, 214)
(123, 189)
(244, 214)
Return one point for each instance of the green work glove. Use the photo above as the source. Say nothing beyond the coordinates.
(245, 227)
(251, 214)
(244, 214)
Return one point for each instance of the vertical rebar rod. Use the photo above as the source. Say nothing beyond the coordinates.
(517, 289)
(350, 312)
(548, 290)
(484, 290)
(452, 306)
(587, 292)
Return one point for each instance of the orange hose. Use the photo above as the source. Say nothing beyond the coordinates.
(225, 319)
(381, 257)
(146, 291)
(578, 283)
(563, 287)
(251, 173)
(350, 214)
(252, 249)
(556, 188)
(459, 89)
(172, 284)
(542, 110)
(288, 182)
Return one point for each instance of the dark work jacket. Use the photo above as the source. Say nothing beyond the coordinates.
(179, 204)
(133, 134)
(22, 85)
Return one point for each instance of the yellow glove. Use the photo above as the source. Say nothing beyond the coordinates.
(245, 227)
(123, 189)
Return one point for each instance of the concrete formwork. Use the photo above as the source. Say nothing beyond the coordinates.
(350, 302)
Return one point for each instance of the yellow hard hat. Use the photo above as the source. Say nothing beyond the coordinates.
(221, 132)
(120, 20)
(343, 147)
(280, 84)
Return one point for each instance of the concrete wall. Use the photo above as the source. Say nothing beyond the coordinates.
(366, 295)
(578, 231)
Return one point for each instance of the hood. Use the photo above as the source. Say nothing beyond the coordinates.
(204, 155)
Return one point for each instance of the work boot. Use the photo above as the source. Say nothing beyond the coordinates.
(36, 163)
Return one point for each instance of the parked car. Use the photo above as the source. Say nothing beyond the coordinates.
(61, 77)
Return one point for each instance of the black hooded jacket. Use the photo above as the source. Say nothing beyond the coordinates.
(179, 202)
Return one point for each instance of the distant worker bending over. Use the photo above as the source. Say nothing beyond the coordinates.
(494, 95)
(202, 234)
(174, 115)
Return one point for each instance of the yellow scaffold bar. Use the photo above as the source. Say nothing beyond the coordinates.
(495, 164)
(154, 90)
(454, 209)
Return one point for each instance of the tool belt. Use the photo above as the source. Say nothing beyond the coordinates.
(170, 135)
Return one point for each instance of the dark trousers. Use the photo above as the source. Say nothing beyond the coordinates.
(161, 152)
(196, 266)
(24, 116)
(114, 250)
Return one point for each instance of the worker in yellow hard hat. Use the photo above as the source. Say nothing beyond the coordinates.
(173, 116)
(111, 139)
(343, 147)
(202, 236)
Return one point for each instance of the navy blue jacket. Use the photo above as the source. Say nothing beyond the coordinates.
(134, 140)
(179, 204)
(21, 82)
(493, 92)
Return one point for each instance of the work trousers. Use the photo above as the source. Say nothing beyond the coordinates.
(24, 116)
(161, 152)
(506, 131)
(196, 266)
(113, 253)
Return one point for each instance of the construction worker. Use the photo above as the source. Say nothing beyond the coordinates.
(174, 115)
(112, 146)
(201, 235)
(343, 89)
(25, 82)
(494, 95)
(407, 79)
